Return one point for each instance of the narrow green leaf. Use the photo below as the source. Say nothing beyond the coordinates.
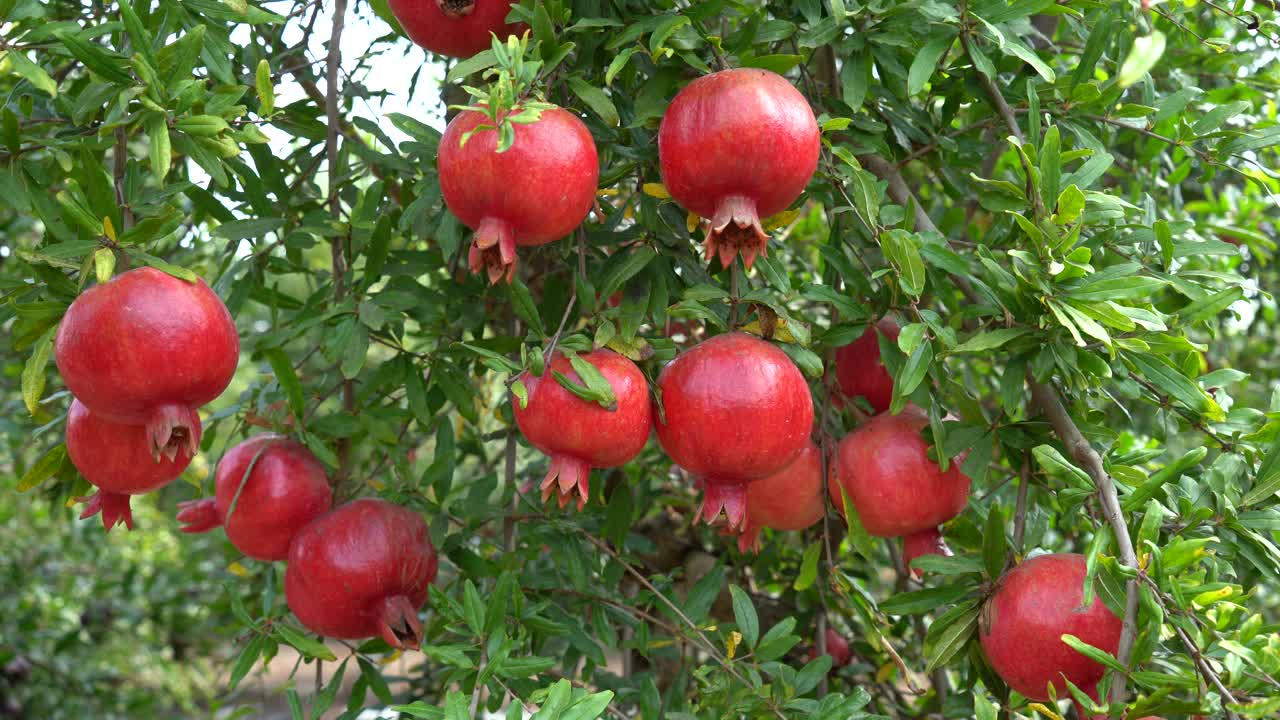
(596, 99)
(308, 646)
(1143, 56)
(808, 567)
(32, 73)
(744, 614)
(288, 380)
(990, 339)
(1093, 653)
(995, 546)
(161, 154)
(918, 602)
(46, 467)
(927, 59)
(33, 372)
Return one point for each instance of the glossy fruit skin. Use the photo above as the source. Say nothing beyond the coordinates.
(457, 28)
(736, 410)
(925, 542)
(362, 570)
(579, 434)
(837, 648)
(286, 489)
(537, 191)
(860, 371)
(884, 468)
(1021, 625)
(735, 147)
(790, 499)
(148, 349)
(118, 460)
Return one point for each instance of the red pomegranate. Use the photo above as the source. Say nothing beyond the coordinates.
(149, 349)
(1035, 604)
(457, 28)
(118, 460)
(837, 648)
(925, 542)
(884, 468)
(737, 146)
(272, 487)
(362, 570)
(859, 370)
(537, 191)
(737, 410)
(579, 434)
(790, 499)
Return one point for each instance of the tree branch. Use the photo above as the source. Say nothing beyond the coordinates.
(337, 250)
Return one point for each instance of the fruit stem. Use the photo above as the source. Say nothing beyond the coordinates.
(399, 623)
(198, 516)
(113, 506)
(172, 429)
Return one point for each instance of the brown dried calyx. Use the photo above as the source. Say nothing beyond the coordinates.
(456, 8)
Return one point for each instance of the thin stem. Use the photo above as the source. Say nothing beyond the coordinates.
(336, 245)
(1020, 514)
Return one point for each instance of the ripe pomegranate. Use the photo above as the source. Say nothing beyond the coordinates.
(837, 648)
(734, 147)
(1034, 604)
(737, 410)
(149, 349)
(925, 542)
(362, 570)
(268, 504)
(859, 370)
(118, 460)
(790, 499)
(457, 28)
(884, 468)
(579, 434)
(537, 191)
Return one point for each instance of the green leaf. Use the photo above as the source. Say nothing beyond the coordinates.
(901, 249)
(46, 467)
(1059, 467)
(596, 99)
(595, 381)
(244, 662)
(589, 707)
(161, 155)
(1090, 171)
(179, 272)
(1177, 386)
(33, 372)
(989, 339)
(95, 59)
(949, 634)
(1143, 56)
(1122, 288)
(914, 370)
(32, 73)
(308, 646)
(480, 61)
(522, 303)
(927, 59)
(1015, 47)
(632, 263)
(744, 614)
(995, 546)
(288, 380)
(377, 683)
(808, 567)
(473, 607)
(1093, 653)
(104, 264)
(918, 602)
(619, 61)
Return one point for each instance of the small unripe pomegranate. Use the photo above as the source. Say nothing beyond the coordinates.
(457, 28)
(736, 410)
(362, 570)
(535, 192)
(149, 349)
(734, 147)
(837, 648)
(860, 371)
(266, 489)
(1021, 625)
(790, 499)
(117, 459)
(884, 468)
(579, 434)
(925, 542)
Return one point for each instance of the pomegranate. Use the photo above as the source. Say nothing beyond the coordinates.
(790, 499)
(925, 542)
(734, 147)
(117, 459)
(736, 410)
(1035, 604)
(457, 28)
(837, 648)
(362, 570)
(859, 370)
(537, 191)
(884, 468)
(268, 504)
(149, 349)
(579, 434)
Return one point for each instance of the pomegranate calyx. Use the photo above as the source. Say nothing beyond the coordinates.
(198, 516)
(736, 229)
(729, 496)
(173, 428)
(113, 506)
(566, 475)
(749, 538)
(399, 623)
(456, 8)
(493, 250)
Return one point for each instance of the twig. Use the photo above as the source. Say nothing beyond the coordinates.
(509, 469)
(120, 166)
(1020, 513)
(336, 248)
(1202, 665)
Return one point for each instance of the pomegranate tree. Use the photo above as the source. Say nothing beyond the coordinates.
(536, 191)
(734, 147)
(149, 349)
(578, 434)
(117, 459)
(362, 570)
(884, 468)
(860, 371)
(266, 489)
(1022, 623)
(925, 542)
(458, 28)
(790, 499)
(736, 410)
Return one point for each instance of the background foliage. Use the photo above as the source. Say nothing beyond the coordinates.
(1071, 200)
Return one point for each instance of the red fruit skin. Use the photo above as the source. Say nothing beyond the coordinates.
(925, 542)
(734, 147)
(737, 410)
(837, 648)
(578, 434)
(286, 489)
(860, 371)
(884, 468)
(790, 499)
(1034, 604)
(118, 460)
(148, 348)
(536, 192)
(362, 570)
(460, 32)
